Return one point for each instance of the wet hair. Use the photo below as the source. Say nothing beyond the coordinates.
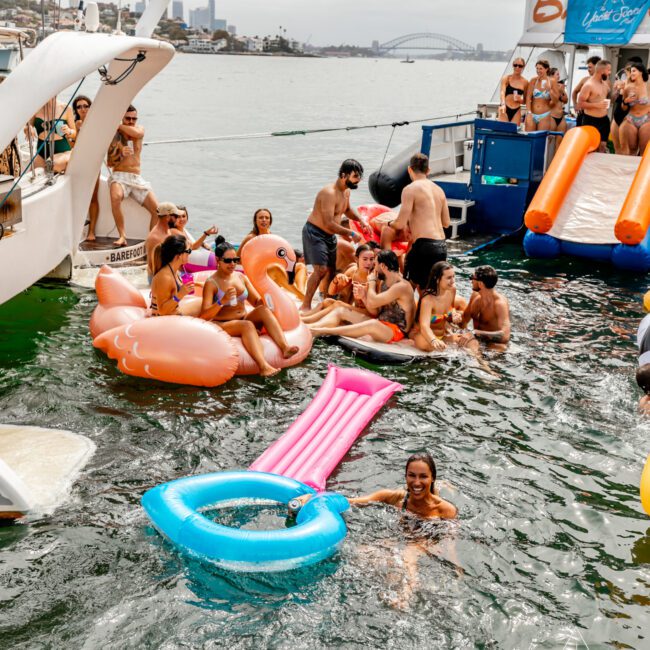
(256, 230)
(131, 109)
(77, 99)
(419, 163)
(350, 165)
(172, 246)
(389, 259)
(643, 378)
(423, 457)
(593, 59)
(362, 249)
(544, 63)
(222, 247)
(487, 275)
(373, 245)
(642, 69)
(434, 277)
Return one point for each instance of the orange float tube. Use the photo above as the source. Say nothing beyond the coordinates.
(559, 177)
(371, 214)
(633, 221)
(186, 350)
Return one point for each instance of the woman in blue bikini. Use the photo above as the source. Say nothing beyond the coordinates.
(541, 96)
(225, 294)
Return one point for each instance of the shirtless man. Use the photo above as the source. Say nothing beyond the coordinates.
(125, 180)
(488, 310)
(424, 210)
(324, 223)
(388, 296)
(438, 310)
(591, 68)
(167, 214)
(593, 100)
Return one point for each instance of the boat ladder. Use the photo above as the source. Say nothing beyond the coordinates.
(463, 205)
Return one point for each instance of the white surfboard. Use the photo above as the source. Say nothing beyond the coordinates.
(38, 467)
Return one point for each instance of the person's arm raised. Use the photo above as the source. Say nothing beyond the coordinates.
(133, 132)
(209, 307)
(376, 300)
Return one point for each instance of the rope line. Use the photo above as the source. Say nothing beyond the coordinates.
(275, 134)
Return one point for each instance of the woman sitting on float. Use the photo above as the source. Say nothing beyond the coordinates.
(181, 222)
(167, 290)
(225, 294)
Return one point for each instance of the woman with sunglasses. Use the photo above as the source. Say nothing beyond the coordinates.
(513, 92)
(167, 290)
(225, 294)
(181, 222)
(262, 220)
(541, 95)
(80, 108)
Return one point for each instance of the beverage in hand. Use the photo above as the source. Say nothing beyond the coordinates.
(186, 278)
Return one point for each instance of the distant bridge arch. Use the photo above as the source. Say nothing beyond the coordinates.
(424, 41)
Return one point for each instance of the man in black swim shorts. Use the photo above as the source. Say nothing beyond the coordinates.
(324, 223)
(593, 100)
(424, 210)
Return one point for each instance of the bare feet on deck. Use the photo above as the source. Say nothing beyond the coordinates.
(119, 243)
(90, 238)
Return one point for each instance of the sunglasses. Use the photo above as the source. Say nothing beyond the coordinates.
(230, 260)
(130, 119)
(187, 250)
(517, 65)
(82, 106)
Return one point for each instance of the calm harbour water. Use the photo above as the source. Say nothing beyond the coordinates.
(543, 461)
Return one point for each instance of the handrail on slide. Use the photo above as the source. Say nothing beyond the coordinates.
(634, 218)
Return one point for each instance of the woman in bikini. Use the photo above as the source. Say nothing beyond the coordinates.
(181, 222)
(167, 290)
(437, 310)
(54, 126)
(225, 294)
(557, 110)
(635, 130)
(513, 93)
(541, 94)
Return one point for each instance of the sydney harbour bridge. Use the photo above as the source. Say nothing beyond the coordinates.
(423, 42)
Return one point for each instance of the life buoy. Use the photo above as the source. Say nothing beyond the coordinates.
(174, 508)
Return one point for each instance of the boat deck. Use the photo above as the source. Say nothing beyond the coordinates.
(106, 243)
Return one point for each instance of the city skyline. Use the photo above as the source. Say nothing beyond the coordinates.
(497, 24)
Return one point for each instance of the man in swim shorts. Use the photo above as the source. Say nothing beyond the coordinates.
(593, 101)
(324, 223)
(425, 212)
(488, 310)
(124, 161)
(643, 371)
(591, 68)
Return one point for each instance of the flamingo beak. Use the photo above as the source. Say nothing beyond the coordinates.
(291, 272)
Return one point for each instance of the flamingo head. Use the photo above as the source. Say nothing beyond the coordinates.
(265, 250)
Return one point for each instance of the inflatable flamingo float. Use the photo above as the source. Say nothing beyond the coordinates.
(370, 213)
(188, 350)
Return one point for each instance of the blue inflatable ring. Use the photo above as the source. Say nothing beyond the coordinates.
(174, 510)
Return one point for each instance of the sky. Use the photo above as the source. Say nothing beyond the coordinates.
(495, 23)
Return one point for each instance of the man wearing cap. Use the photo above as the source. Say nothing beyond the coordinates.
(123, 159)
(488, 310)
(166, 216)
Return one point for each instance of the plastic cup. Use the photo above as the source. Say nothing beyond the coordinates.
(608, 102)
(233, 302)
(186, 278)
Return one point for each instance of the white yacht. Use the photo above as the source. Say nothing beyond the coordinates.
(43, 215)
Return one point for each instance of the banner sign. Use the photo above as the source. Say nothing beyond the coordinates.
(603, 22)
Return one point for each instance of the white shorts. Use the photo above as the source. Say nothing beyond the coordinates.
(132, 185)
